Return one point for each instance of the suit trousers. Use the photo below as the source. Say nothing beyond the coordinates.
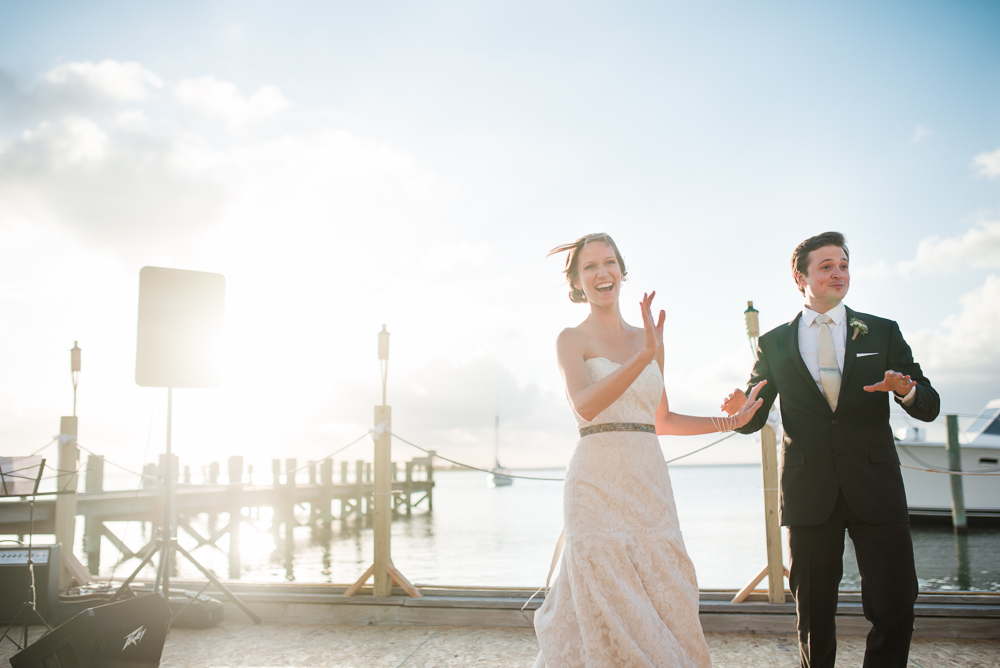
(888, 586)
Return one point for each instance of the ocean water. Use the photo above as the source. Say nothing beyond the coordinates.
(504, 537)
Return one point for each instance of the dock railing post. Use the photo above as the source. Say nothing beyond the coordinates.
(774, 570)
(326, 493)
(290, 465)
(359, 484)
(958, 518)
(769, 469)
(382, 569)
(430, 480)
(235, 515)
(382, 499)
(69, 461)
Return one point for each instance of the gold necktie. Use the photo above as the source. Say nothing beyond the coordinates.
(829, 370)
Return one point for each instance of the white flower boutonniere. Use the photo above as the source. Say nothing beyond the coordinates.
(859, 327)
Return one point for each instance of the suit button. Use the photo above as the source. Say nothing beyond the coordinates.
(834, 421)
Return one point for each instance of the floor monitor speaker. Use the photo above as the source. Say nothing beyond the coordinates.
(180, 327)
(126, 634)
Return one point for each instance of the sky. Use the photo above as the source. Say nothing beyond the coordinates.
(346, 165)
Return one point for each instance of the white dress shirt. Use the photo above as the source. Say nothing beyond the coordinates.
(809, 338)
(809, 343)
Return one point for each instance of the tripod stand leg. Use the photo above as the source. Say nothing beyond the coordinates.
(214, 580)
(153, 549)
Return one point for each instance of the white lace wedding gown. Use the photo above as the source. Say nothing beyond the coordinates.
(626, 593)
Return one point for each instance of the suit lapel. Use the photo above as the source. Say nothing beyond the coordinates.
(850, 354)
(792, 345)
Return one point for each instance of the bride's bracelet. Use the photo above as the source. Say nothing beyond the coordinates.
(723, 424)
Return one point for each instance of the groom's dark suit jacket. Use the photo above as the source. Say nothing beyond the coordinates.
(851, 448)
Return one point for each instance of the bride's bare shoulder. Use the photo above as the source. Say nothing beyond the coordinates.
(571, 339)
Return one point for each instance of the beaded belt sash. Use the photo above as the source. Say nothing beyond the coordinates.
(617, 426)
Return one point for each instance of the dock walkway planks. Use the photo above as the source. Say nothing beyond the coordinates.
(939, 615)
(237, 643)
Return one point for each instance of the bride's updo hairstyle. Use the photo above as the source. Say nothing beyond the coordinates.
(572, 269)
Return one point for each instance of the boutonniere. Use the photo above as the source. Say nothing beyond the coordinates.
(859, 327)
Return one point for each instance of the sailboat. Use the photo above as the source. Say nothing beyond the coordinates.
(499, 476)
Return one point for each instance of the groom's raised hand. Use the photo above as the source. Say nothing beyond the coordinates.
(734, 402)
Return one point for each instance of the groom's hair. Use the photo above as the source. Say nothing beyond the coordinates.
(800, 256)
(572, 269)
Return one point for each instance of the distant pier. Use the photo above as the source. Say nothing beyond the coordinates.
(226, 506)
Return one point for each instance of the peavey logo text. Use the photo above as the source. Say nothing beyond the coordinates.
(135, 637)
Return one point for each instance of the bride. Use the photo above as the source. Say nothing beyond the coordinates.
(626, 594)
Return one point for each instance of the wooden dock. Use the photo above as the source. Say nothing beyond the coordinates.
(317, 500)
(938, 614)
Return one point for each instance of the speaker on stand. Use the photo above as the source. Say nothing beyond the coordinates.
(179, 332)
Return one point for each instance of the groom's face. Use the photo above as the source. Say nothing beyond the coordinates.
(828, 277)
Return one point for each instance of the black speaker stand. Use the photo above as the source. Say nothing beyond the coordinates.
(23, 618)
(166, 542)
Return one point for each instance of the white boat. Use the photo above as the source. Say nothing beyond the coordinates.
(499, 476)
(929, 494)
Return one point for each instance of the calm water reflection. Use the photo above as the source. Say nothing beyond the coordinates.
(480, 535)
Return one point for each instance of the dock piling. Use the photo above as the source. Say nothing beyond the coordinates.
(955, 464)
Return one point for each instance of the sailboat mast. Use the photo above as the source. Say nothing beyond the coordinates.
(496, 437)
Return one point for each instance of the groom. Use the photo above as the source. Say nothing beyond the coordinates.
(832, 368)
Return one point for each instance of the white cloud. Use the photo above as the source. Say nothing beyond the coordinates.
(988, 164)
(920, 133)
(963, 349)
(121, 82)
(978, 248)
(73, 141)
(222, 100)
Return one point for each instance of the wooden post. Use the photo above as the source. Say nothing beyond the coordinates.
(769, 470)
(326, 492)
(93, 483)
(213, 473)
(359, 483)
(382, 498)
(290, 466)
(343, 501)
(409, 487)
(69, 460)
(312, 472)
(958, 518)
(276, 510)
(235, 515)
(187, 474)
(430, 479)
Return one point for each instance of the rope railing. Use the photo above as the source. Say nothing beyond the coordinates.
(525, 477)
(329, 456)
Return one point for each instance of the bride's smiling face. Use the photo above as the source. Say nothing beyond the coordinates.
(600, 274)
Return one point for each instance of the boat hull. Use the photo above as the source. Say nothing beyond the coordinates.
(929, 494)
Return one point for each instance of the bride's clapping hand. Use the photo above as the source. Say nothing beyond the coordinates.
(747, 406)
(653, 330)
